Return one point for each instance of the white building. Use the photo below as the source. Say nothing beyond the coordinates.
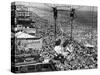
(28, 41)
(23, 35)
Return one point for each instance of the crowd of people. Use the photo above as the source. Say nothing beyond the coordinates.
(67, 54)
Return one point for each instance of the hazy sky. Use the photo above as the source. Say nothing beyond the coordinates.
(60, 6)
(45, 9)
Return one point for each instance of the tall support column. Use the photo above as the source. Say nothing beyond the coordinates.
(71, 29)
(72, 16)
(55, 19)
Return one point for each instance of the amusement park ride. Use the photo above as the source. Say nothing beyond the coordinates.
(72, 17)
(54, 9)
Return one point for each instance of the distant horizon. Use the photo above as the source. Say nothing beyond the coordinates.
(59, 6)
